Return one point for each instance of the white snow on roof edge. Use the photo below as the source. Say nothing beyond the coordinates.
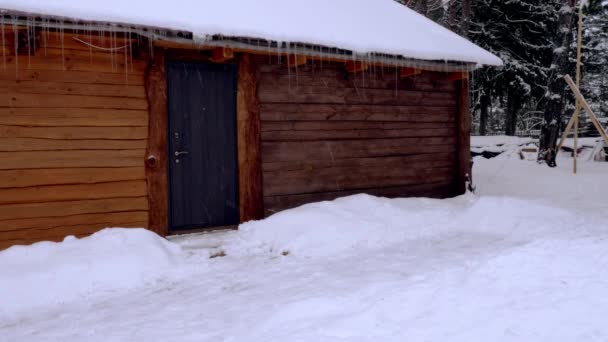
(362, 26)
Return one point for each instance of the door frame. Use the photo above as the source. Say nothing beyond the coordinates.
(204, 65)
(248, 131)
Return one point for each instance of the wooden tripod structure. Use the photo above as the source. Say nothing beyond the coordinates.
(580, 100)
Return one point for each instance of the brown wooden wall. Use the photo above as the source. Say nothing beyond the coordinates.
(328, 133)
(73, 134)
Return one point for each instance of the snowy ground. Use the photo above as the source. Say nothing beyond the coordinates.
(525, 259)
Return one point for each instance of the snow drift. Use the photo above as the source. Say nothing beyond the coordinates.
(350, 224)
(48, 273)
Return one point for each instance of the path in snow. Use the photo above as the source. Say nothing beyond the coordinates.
(527, 267)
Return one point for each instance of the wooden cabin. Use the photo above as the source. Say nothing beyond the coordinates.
(106, 125)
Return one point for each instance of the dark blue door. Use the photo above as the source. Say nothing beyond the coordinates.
(202, 145)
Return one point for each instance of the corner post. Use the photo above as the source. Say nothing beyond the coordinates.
(464, 136)
(156, 151)
(249, 141)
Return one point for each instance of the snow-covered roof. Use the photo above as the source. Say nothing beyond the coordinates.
(362, 26)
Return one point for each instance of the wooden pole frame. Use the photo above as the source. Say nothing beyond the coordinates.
(588, 109)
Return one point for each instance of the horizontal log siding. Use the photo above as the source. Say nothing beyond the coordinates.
(326, 133)
(73, 134)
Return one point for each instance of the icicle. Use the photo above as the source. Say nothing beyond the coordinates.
(28, 40)
(44, 33)
(90, 35)
(288, 69)
(16, 48)
(3, 44)
(126, 64)
(130, 51)
(61, 38)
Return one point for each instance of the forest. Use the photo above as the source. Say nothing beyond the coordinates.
(537, 41)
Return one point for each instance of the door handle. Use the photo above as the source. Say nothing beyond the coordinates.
(179, 153)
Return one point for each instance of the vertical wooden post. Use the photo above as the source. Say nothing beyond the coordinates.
(156, 151)
(249, 141)
(464, 137)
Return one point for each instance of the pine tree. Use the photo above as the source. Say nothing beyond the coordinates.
(555, 95)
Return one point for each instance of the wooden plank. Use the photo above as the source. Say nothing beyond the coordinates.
(72, 76)
(301, 135)
(65, 208)
(351, 178)
(443, 159)
(49, 117)
(587, 108)
(35, 177)
(32, 235)
(251, 202)
(68, 159)
(12, 100)
(354, 67)
(325, 112)
(111, 219)
(355, 96)
(331, 150)
(33, 144)
(39, 87)
(463, 139)
(371, 80)
(99, 63)
(71, 192)
(274, 126)
(275, 204)
(156, 152)
(222, 54)
(66, 133)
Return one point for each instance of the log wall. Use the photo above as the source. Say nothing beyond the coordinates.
(73, 135)
(328, 133)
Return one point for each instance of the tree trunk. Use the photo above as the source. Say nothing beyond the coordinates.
(513, 107)
(451, 18)
(556, 87)
(484, 103)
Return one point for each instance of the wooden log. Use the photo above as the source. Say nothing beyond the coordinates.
(36, 177)
(248, 140)
(79, 133)
(409, 72)
(442, 159)
(321, 112)
(222, 54)
(294, 61)
(274, 126)
(66, 208)
(331, 150)
(13, 100)
(27, 236)
(33, 144)
(64, 88)
(72, 117)
(371, 80)
(355, 96)
(66, 76)
(100, 63)
(352, 178)
(68, 159)
(112, 219)
(301, 135)
(72, 192)
(156, 152)
(354, 67)
(275, 204)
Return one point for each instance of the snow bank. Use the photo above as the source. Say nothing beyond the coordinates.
(48, 273)
(363, 26)
(347, 225)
